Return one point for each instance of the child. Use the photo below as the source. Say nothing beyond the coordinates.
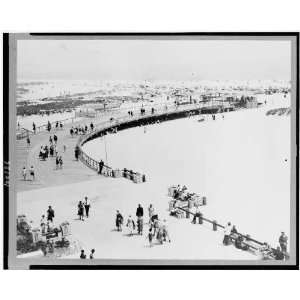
(150, 237)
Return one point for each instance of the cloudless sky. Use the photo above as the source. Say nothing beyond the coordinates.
(153, 59)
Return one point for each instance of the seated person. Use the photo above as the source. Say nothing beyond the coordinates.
(278, 254)
(239, 243)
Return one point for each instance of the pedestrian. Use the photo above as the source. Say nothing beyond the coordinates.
(57, 162)
(283, 242)
(51, 150)
(60, 162)
(80, 211)
(227, 232)
(82, 255)
(151, 212)
(55, 150)
(76, 152)
(61, 125)
(101, 165)
(131, 226)
(50, 214)
(65, 148)
(92, 126)
(43, 224)
(28, 141)
(140, 225)
(31, 172)
(50, 140)
(150, 237)
(119, 221)
(55, 138)
(49, 126)
(56, 125)
(34, 127)
(24, 173)
(71, 132)
(92, 254)
(139, 211)
(87, 206)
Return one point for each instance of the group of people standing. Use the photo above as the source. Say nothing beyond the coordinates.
(47, 224)
(83, 208)
(157, 229)
(81, 129)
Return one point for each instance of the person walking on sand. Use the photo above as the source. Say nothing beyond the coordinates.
(150, 212)
(87, 206)
(24, 173)
(57, 162)
(60, 162)
(80, 211)
(50, 214)
(55, 138)
(139, 211)
(131, 226)
(28, 141)
(119, 221)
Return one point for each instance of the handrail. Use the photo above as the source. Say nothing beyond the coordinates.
(53, 123)
(248, 238)
(107, 125)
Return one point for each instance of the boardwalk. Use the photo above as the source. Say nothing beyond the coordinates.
(73, 171)
(46, 173)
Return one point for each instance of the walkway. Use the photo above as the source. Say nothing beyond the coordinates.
(73, 171)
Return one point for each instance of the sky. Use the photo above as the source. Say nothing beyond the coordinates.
(153, 60)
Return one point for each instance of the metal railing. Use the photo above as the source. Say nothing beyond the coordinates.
(94, 164)
(44, 127)
(23, 133)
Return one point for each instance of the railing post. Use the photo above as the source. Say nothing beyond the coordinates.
(200, 218)
(215, 227)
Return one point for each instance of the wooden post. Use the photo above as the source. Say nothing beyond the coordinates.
(215, 227)
(200, 218)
